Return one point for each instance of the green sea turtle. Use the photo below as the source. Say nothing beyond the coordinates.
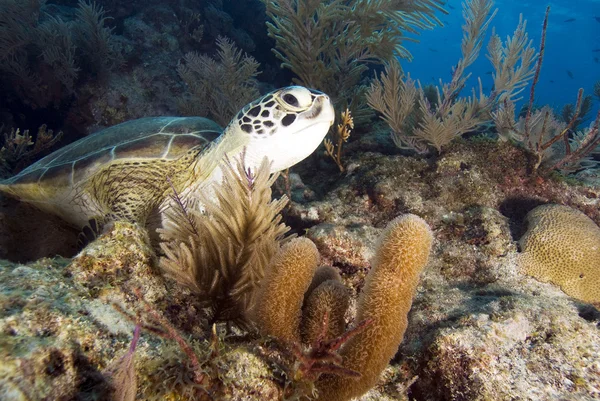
(128, 171)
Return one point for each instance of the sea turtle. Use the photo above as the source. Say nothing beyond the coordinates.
(128, 171)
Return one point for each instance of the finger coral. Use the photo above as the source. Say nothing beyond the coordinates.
(562, 246)
(328, 301)
(322, 274)
(386, 299)
(282, 290)
(384, 304)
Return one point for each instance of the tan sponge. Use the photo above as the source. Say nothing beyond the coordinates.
(401, 255)
(562, 246)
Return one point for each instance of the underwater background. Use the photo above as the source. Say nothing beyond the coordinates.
(441, 243)
(572, 57)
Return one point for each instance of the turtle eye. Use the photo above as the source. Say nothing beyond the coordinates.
(291, 100)
(294, 98)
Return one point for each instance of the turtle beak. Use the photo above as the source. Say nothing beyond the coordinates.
(322, 109)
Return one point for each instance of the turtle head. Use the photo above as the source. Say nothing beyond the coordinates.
(285, 126)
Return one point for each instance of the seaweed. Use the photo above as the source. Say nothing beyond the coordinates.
(45, 59)
(218, 88)
(418, 123)
(220, 253)
(329, 45)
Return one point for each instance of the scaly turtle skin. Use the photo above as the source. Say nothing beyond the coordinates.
(128, 171)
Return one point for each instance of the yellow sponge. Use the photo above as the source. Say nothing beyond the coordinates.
(279, 303)
(386, 299)
(562, 246)
(331, 297)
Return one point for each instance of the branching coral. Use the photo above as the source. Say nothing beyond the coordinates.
(221, 254)
(18, 149)
(219, 88)
(554, 144)
(417, 123)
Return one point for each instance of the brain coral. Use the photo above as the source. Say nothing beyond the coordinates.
(562, 246)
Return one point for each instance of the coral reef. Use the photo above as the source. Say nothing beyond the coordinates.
(173, 321)
(473, 291)
(472, 308)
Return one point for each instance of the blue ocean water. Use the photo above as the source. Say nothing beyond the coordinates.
(571, 61)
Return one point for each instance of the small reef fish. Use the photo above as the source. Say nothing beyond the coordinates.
(432, 50)
(597, 19)
(596, 60)
(570, 20)
(570, 74)
(596, 50)
(551, 81)
(454, 8)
